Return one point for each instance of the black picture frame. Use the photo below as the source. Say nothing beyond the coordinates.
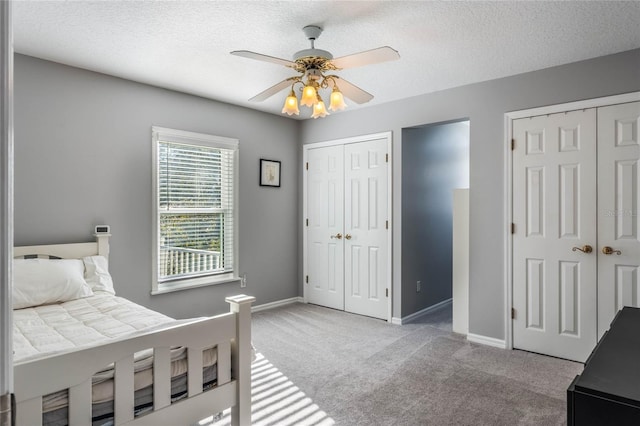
(270, 173)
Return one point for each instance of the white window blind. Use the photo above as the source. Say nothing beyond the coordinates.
(195, 205)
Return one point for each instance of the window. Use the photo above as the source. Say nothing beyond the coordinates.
(195, 193)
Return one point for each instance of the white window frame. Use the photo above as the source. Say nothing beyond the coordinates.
(210, 141)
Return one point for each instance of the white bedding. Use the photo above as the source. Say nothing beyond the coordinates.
(53, 329)
(80, 323)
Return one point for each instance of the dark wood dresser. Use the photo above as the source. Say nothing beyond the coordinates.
(608, 390)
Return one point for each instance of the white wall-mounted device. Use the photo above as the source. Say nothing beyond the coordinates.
(103, 229)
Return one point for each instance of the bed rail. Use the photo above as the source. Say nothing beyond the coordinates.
(230, 333)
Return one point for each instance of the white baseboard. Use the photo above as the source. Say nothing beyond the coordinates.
(415, 315)
(277, 303)
(487, 341)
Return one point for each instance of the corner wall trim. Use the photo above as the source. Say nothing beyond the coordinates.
(420, 313)
(487, 341)
(6, 200)
(276, 304)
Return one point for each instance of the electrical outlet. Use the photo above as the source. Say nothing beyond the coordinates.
(243, 281)
(418, 286)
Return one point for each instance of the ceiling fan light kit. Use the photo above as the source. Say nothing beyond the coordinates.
(312, 64)
(337, 100)
(309, 94)
(319, 110)
(291, 104)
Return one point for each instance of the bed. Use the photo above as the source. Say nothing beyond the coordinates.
(95, 358)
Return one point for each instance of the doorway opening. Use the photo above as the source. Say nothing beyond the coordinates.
(435, 163)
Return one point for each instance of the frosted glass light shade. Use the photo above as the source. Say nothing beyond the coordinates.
(337, 100)
(319, 110)
(309, 96)
(291, 105)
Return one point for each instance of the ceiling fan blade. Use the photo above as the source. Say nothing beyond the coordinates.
(264, 58)
(368, 57)
(352, 91)
(271, 91)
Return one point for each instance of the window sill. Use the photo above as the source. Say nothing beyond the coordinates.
(187, 284)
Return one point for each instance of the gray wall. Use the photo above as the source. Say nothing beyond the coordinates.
(484, 104)
(83, 157)
(435, 160)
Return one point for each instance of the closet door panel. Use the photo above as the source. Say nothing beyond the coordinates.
(325, 211)
(366, 236)
(554, 212)
(618, 214)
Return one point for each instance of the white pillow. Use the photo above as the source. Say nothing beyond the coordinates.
(97, 275)
(41, 281)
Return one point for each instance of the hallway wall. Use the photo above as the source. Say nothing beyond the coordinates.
(435, 160)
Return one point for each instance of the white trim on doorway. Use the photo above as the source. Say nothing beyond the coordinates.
(414, 316)
(487, 341)
(508, 191)
(344, 141)
(6, 209)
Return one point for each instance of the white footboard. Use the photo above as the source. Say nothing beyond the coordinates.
(230, 333)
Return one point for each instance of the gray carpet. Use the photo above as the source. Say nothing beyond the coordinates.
(275, 400)
(363, 371)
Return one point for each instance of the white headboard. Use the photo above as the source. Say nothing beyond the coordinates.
(69, 251)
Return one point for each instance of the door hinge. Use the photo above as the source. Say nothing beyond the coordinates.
(307, 166)
(307, 221)
(513, 313)
(386, 292)
(306, 280)
(513, 228)
(386, 157)
(386, 224)
(513, 144)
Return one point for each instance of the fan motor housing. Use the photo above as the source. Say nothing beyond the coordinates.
(321, 63)
(312, 53)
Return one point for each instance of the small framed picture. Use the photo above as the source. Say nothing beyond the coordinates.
(269, 173)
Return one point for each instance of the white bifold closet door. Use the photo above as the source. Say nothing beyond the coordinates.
(554, 212)
(347, 234)
(325, 227)
(618, 215)
(365, 212)
(576, 251)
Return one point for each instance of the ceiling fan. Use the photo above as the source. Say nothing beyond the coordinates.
(313, 66)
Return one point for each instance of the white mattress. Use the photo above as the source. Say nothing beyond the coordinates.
(49, 329)
(53, 329)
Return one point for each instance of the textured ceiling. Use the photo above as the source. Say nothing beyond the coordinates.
(185, 45)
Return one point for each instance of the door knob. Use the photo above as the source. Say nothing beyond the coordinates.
(585, 249)
(347, 237)
(338, 236)
(608, 250)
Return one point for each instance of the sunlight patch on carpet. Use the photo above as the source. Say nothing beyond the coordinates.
(275, 400)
